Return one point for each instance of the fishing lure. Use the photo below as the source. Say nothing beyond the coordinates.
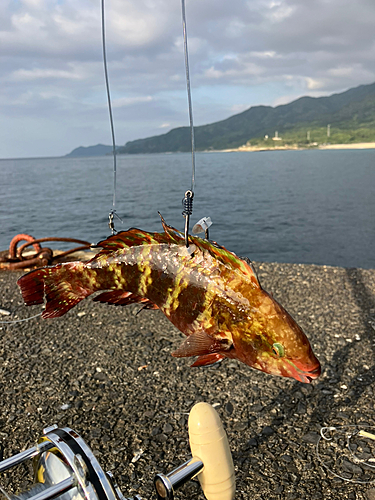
(207, 292)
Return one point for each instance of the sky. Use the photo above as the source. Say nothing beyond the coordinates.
(242, 53)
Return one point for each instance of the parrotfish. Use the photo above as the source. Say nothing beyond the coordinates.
(206, 291)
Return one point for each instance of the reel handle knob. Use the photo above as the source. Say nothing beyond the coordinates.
(209, 443)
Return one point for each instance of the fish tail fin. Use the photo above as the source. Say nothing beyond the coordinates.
(59, 285)
(32, 287)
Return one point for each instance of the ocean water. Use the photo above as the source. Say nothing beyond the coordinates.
(313, 207)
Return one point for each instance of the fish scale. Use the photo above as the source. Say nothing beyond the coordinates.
(207, 292)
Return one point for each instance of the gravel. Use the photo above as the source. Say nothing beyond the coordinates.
(107, 372)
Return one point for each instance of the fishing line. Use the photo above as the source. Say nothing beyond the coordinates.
(20, 320)
(184, 30)
(189, 195)
(112, 213)
(351, 432)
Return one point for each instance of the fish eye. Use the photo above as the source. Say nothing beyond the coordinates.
(278, 349)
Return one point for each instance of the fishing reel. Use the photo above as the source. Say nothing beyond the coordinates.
(65, 468)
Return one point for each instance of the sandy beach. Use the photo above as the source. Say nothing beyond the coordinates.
(107, 372)
(358, 145)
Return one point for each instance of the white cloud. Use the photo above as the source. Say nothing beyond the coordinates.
(314, 83)
(238, 108)
(341, 71)
(34, 3)
(130, 101)
(213, 73)
(242, 51)
(267, 54)
(235, 28)
(36, 74)
(279, 11)
(234, 70)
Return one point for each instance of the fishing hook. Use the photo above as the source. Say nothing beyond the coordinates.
(188, 210)
(111, 223)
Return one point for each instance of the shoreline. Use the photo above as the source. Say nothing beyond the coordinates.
(294, 147)
(246, 149)
(358, 145)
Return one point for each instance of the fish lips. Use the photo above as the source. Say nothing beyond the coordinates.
(303, 375)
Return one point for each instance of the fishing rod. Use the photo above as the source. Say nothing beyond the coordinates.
(66, 468)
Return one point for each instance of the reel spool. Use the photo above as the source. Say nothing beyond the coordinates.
(65, 467)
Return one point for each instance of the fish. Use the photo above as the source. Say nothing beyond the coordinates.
(211, 295)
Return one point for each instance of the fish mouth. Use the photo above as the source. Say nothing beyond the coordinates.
(305, 376)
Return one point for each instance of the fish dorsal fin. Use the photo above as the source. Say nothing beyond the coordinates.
(119, 243)
(252, 268)
(174, 235)
(124, 240)
(200, 344)
(241, 265)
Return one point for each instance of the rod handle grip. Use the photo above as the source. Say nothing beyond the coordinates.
(209, 443)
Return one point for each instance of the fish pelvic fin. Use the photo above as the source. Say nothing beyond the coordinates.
(121, 298)
(52, 284)
(208, 359)
(201, 344)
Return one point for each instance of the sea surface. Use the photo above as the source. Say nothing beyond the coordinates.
(315, 207)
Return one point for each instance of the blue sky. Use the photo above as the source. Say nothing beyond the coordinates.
(242, 53)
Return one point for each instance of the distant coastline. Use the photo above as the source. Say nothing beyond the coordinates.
(347, 118)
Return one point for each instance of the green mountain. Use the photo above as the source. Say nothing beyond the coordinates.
(98, 150)
(351, 115)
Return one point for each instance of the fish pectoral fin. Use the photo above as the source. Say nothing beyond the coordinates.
(201, 344)
(124, 298)
(208, 359)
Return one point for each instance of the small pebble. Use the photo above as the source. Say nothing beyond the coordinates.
(137, 455)
(229, 408)
(311, 437)
(167, 428)
(267, 431)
